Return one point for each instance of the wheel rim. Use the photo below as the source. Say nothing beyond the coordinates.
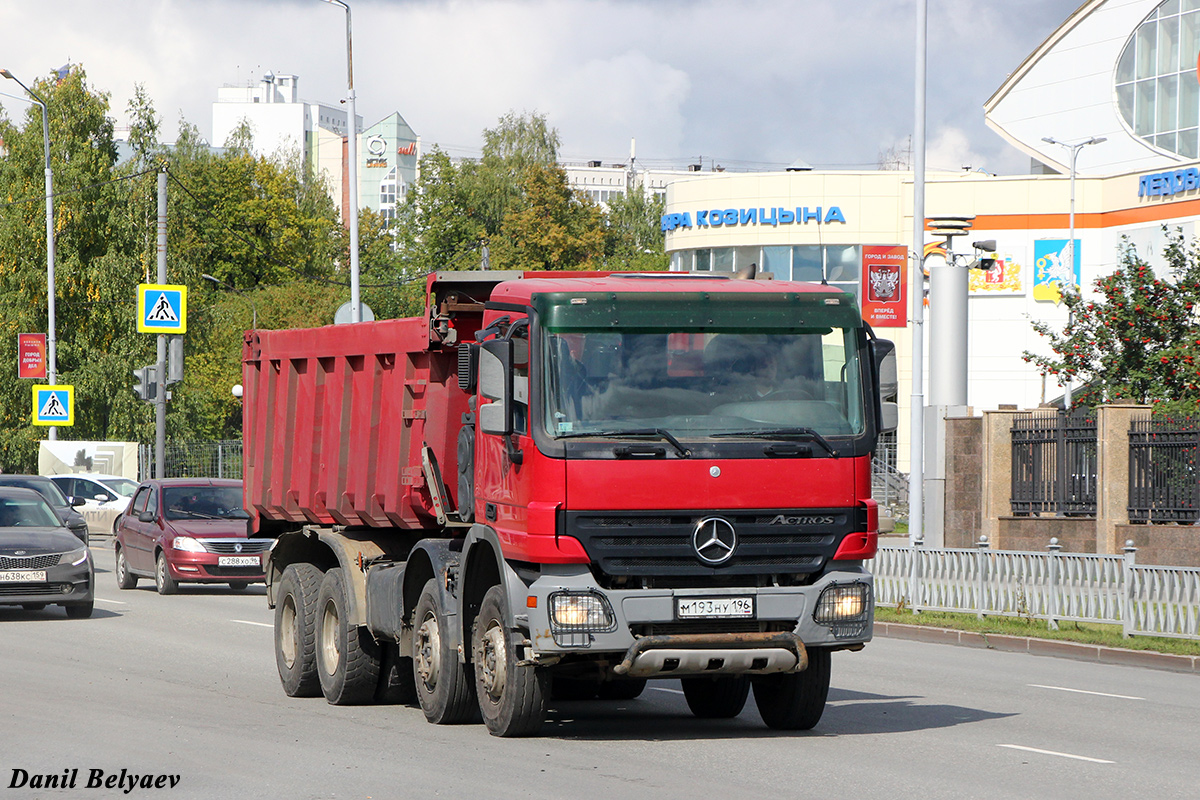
(330, 655)
(429, 651)
(160, 572)
(287, 631)
(493, 661)
(121, 566)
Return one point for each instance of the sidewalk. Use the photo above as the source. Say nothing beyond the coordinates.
(1041, 647)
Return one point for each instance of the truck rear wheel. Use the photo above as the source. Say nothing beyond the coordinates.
(295, 640)
(445, 693)
(347, 656)
(719, 697)
(795, 701)
(512, 697)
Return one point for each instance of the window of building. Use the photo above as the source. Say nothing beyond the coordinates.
(778, 261)
(1157, 94)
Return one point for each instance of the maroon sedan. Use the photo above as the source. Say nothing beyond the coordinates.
(187, 530)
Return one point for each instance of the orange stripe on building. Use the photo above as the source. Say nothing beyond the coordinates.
(1159, 212)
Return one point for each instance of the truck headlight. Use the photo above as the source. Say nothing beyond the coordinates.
(575, 616)
(844, 608)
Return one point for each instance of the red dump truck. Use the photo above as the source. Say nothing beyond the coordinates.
(567, 484)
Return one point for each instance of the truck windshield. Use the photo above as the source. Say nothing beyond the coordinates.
(701, 384)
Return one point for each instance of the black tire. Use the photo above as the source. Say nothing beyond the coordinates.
(396, 685)
(163, 581)
(80, 610)
(622, 690)
(512, 697)
(444, 690)
(239, 586)
(295, 621)
(125, 578)
(795, 701)
(719, 697)
(33, 606)
(347, 656)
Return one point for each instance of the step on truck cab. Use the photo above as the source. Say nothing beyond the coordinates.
(568, 484)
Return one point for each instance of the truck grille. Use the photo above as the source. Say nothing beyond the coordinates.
(769, 542)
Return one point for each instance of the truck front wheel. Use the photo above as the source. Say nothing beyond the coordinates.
(719, 697)
(347, 656)
(446, 695)
(796, 700)
(295, 641)
(512, 697)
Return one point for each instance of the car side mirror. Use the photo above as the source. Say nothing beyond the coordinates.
(103, 498)
(146, 516)
(495, 384)
(76, 502)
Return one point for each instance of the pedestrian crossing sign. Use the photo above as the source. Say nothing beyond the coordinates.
(162, 308)
(53, 405)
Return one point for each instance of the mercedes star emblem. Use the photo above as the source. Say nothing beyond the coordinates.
(714, 540)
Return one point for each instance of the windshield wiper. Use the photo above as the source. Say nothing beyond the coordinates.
(661, 433)
(801, 433)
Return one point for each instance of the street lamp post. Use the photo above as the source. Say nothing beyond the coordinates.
(352, 157)
(231, 287)
(1074, 148)
(51, 342)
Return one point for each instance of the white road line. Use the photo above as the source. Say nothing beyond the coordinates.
(1084, 691)
(114, 602)
(1053, 753)
(259, 624)
(660, 689)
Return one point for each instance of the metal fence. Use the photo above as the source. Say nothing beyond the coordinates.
(220, 459)
(1054, 463)
(1055, 586)
(1164, 485)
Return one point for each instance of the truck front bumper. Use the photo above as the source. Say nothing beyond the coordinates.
(624, 628)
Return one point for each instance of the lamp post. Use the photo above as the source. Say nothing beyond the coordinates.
(1074, 148)
(231, 287)
(352, 157)
(51, 342)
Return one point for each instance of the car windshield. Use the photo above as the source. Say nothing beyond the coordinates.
(43, 486)
(203, 502)
(27, 512)
(699, 384)
(122, 486)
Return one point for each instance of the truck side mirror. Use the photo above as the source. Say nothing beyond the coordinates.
(884, 353)
(495, 384)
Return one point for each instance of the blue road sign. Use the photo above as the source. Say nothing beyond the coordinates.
(162, 308)
(53, 405)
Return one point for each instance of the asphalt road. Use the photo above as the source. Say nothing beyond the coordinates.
(186, 686)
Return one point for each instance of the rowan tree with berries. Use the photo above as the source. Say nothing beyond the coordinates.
(1137, 339)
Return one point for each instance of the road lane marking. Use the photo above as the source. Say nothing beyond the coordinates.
(660, 689)
(115, 602)
(1084, 691)
(1054, 753)
(248, 622)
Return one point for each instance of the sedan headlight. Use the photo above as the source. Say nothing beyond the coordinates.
(188, 545)
(75, 557)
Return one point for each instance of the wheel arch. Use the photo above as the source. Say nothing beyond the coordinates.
(484, 567)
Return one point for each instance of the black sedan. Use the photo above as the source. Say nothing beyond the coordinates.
(41, 561)
(63, 506)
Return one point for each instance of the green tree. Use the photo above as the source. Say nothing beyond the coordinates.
(549, 227)
(1137, 339)
(633, 237)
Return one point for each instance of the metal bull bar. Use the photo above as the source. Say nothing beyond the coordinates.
(682, 654)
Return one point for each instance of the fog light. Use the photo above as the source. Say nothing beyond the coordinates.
(574, 617)
(844, 608)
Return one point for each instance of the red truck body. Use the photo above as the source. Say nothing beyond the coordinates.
(372, 455)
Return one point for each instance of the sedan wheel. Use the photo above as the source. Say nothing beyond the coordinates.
(163, 581)
(125, 578)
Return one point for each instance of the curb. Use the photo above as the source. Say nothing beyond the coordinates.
(1054, 648)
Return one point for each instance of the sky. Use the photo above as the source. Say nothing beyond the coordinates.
(740, 84)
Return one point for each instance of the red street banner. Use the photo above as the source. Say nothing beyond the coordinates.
(31, 355)
(885, 285)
